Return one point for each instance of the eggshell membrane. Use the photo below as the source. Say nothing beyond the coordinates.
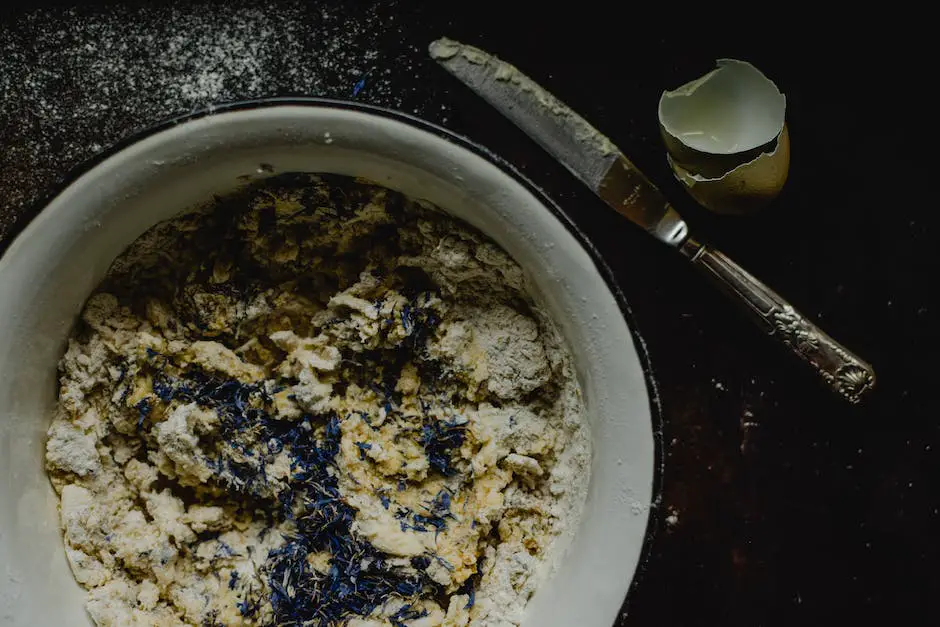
(731, 110)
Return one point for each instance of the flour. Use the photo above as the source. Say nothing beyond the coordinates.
(75, 81)
(314, 403)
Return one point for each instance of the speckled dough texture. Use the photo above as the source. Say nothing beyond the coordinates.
(315, 402)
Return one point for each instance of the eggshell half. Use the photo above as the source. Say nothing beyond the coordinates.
(744, 189)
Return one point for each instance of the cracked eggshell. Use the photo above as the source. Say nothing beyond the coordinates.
(725, 137)
(744, 189)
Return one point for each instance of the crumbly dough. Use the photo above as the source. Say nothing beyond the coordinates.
(315, 402)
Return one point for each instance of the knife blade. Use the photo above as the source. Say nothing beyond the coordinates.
(568, 137)
(591, 157)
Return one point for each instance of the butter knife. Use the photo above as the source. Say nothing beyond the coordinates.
(600, 165)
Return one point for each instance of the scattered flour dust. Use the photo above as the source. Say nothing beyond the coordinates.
(673, 518)
(73, 82)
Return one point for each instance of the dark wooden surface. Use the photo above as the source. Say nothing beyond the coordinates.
(781, 504)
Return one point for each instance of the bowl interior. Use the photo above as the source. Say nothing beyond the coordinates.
(51, 268)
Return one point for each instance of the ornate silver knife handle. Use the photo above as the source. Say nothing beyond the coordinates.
(839, 367)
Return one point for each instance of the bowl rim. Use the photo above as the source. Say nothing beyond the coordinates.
(654, 515)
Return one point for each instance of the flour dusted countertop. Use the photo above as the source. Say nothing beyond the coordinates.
(315, 402)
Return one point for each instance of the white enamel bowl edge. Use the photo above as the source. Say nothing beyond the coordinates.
(55, 263)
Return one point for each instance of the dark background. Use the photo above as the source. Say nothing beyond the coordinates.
(781, 504)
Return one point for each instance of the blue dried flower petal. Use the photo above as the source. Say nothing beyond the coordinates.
(363, 447)
(162, 388)
(143, 408)
(441, 503)
(440, 438)
(407, 320)
(247, 608)
(406, 612)
(359, 578)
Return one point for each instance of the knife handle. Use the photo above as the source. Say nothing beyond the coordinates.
(839, 367)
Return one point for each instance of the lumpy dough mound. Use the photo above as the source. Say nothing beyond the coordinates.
(315, 402)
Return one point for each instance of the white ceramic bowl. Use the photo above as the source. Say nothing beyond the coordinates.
(55, 263)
